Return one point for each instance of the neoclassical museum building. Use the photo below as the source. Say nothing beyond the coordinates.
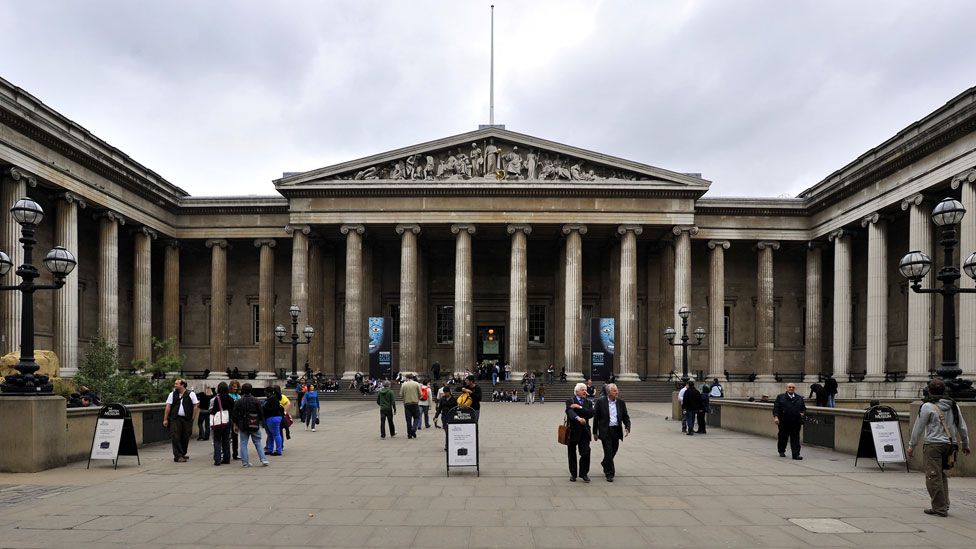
(495, 245)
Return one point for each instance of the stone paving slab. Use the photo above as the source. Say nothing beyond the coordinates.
(345, 487)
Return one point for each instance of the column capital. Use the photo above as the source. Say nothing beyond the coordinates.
(512, 229)
(18, 175)
(269, 242)
(304, 229)
(404, 227)
(570, 227)
(172, 243)
(109, 215)
(358, 229)
(771, 244)
(916, 199)
(624, 229)
(840, 233)
(724, 244)
(871, 219)
(70, 198)
(151, 233)
(816, 245)
(217, 242)
(692, 230)
(470, 229)
(968, 176)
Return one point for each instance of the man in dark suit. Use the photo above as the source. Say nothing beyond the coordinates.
(611, 423)
(788, 413)
(579, 410)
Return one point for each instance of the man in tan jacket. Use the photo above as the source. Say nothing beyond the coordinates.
(410, 395)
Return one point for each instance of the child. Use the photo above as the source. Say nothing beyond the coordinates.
(541, 393)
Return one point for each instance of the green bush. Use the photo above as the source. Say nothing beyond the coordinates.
(99, 372)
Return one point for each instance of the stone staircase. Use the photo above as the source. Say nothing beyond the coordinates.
(631, 391)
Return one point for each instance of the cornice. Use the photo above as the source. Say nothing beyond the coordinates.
(762, 207)
(386, 188)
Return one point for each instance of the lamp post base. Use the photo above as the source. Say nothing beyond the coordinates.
(27, 381)
(960, 389)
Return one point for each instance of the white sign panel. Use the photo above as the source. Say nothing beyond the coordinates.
(887, 441)
(108, 434)
(462, 444)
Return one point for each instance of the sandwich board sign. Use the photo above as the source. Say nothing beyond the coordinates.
(881, 437)
(114, 435)
(461, 430)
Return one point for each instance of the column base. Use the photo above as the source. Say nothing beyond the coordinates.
(917, 377)
(66, 372)
(628, 377)
(574, 377)
(766, 378)
(719, 376)
(810, 378)
(217, 376)
(874, 377)
(348, 375)
(266, 376)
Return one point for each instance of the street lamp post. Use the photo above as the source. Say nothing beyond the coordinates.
(279, 331)
(684, 313)
(916, 264)
(60, 262)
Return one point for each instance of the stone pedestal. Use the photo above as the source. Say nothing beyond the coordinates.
(40, 440)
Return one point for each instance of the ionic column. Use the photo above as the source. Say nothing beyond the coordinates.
(315, 305)
(266, 337)
(967, 302)
(518, 320)
(13, 186)
(682, 280)
(171, 293)
(813, 335)
(353, 328)
(108, 275)
(409, 328)
(299, 268)
(627, 338)
(573, 300)
(665, 365)
(919, 350)
(218, 304)
(765, 339)
(716, 308)
(842, 303)
(877, 328)
(142, 295)
(329, 314)
(66, 299)
(463, 298)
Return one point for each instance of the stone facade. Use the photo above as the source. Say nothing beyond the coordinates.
(494, 230)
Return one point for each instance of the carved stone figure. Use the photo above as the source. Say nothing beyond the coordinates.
(428, 172)
(576, 172)
(368, 173)
(463, 166)
(411, 165)
(399, 171)
(513, 164)
(477, 161)
(491, 156)
(531, 162)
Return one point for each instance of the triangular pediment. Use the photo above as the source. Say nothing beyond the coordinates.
(492, 154)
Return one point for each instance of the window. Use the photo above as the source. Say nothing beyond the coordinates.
(255, 323)
(537, 324)
(727, 312)
(587, 317)
(445, 324)
(395, 321)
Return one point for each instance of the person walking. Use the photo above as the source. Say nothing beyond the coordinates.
(309, 406)
(550, 374)
(234, 392)
(611, 423)
(579, 410)
(681, 404)
(387, 403)
(203, 419)
(788, 413)
(425, 398)
(435, 370)
(528, 387)
(273, 412)
(705, 409)
(495, 372)
(181, 404)
(221, 410)
(410, 395)
(248, 420)
(691, 403)
(938, 427)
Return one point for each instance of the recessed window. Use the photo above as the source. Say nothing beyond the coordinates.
(445, 324)
(395, 321)
(727, 335)
(537, 324)
(255, 323)
(587, 317)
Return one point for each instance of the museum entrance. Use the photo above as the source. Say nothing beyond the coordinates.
(491, 343)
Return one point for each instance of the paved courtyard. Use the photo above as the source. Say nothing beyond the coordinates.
(344, 487)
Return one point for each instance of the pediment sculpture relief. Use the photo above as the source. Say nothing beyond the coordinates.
(489, 160)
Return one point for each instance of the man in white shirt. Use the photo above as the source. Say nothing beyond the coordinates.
(611, 423)
(681, 399)
(181, 406)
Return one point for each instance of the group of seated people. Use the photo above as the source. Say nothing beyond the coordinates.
(84, 398)
(236, 374)
(504, 396)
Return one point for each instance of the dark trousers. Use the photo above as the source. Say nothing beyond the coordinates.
(387, 417)
(611, 442)
(180, 429)
(203, 425)
(583, 446)
(701, 421)
(425, 410)
(789, 430)
(411, 412)
(235, 443)
(221, 444)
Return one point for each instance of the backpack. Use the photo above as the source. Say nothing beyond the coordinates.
(424, 392)
(464, 399)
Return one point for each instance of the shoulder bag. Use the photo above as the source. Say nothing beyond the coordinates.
(948, 458)
(222, 418)
(562, 433)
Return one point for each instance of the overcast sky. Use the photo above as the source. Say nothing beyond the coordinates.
(764, 98)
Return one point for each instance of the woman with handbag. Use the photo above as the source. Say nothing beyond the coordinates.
(221, 406)
(310, 406)
(942, 430)
(273, 412)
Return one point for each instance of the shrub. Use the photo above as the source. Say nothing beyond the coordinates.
(99, 372)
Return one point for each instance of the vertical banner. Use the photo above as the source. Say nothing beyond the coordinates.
(602, 337)
(380, 347)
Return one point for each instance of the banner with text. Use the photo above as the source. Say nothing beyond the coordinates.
(602, 337)
(380, 347)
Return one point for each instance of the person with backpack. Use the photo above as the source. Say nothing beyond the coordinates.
(203, 419)
(248, 420)
(410, 395)
(387, 403)
(716, 390)
(273, 412)
(528, 387)
(221, 409)
(425, 404)
(310, 406)
(181, 404)
(691, 404)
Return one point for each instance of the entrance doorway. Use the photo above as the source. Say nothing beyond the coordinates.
(491, 343)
